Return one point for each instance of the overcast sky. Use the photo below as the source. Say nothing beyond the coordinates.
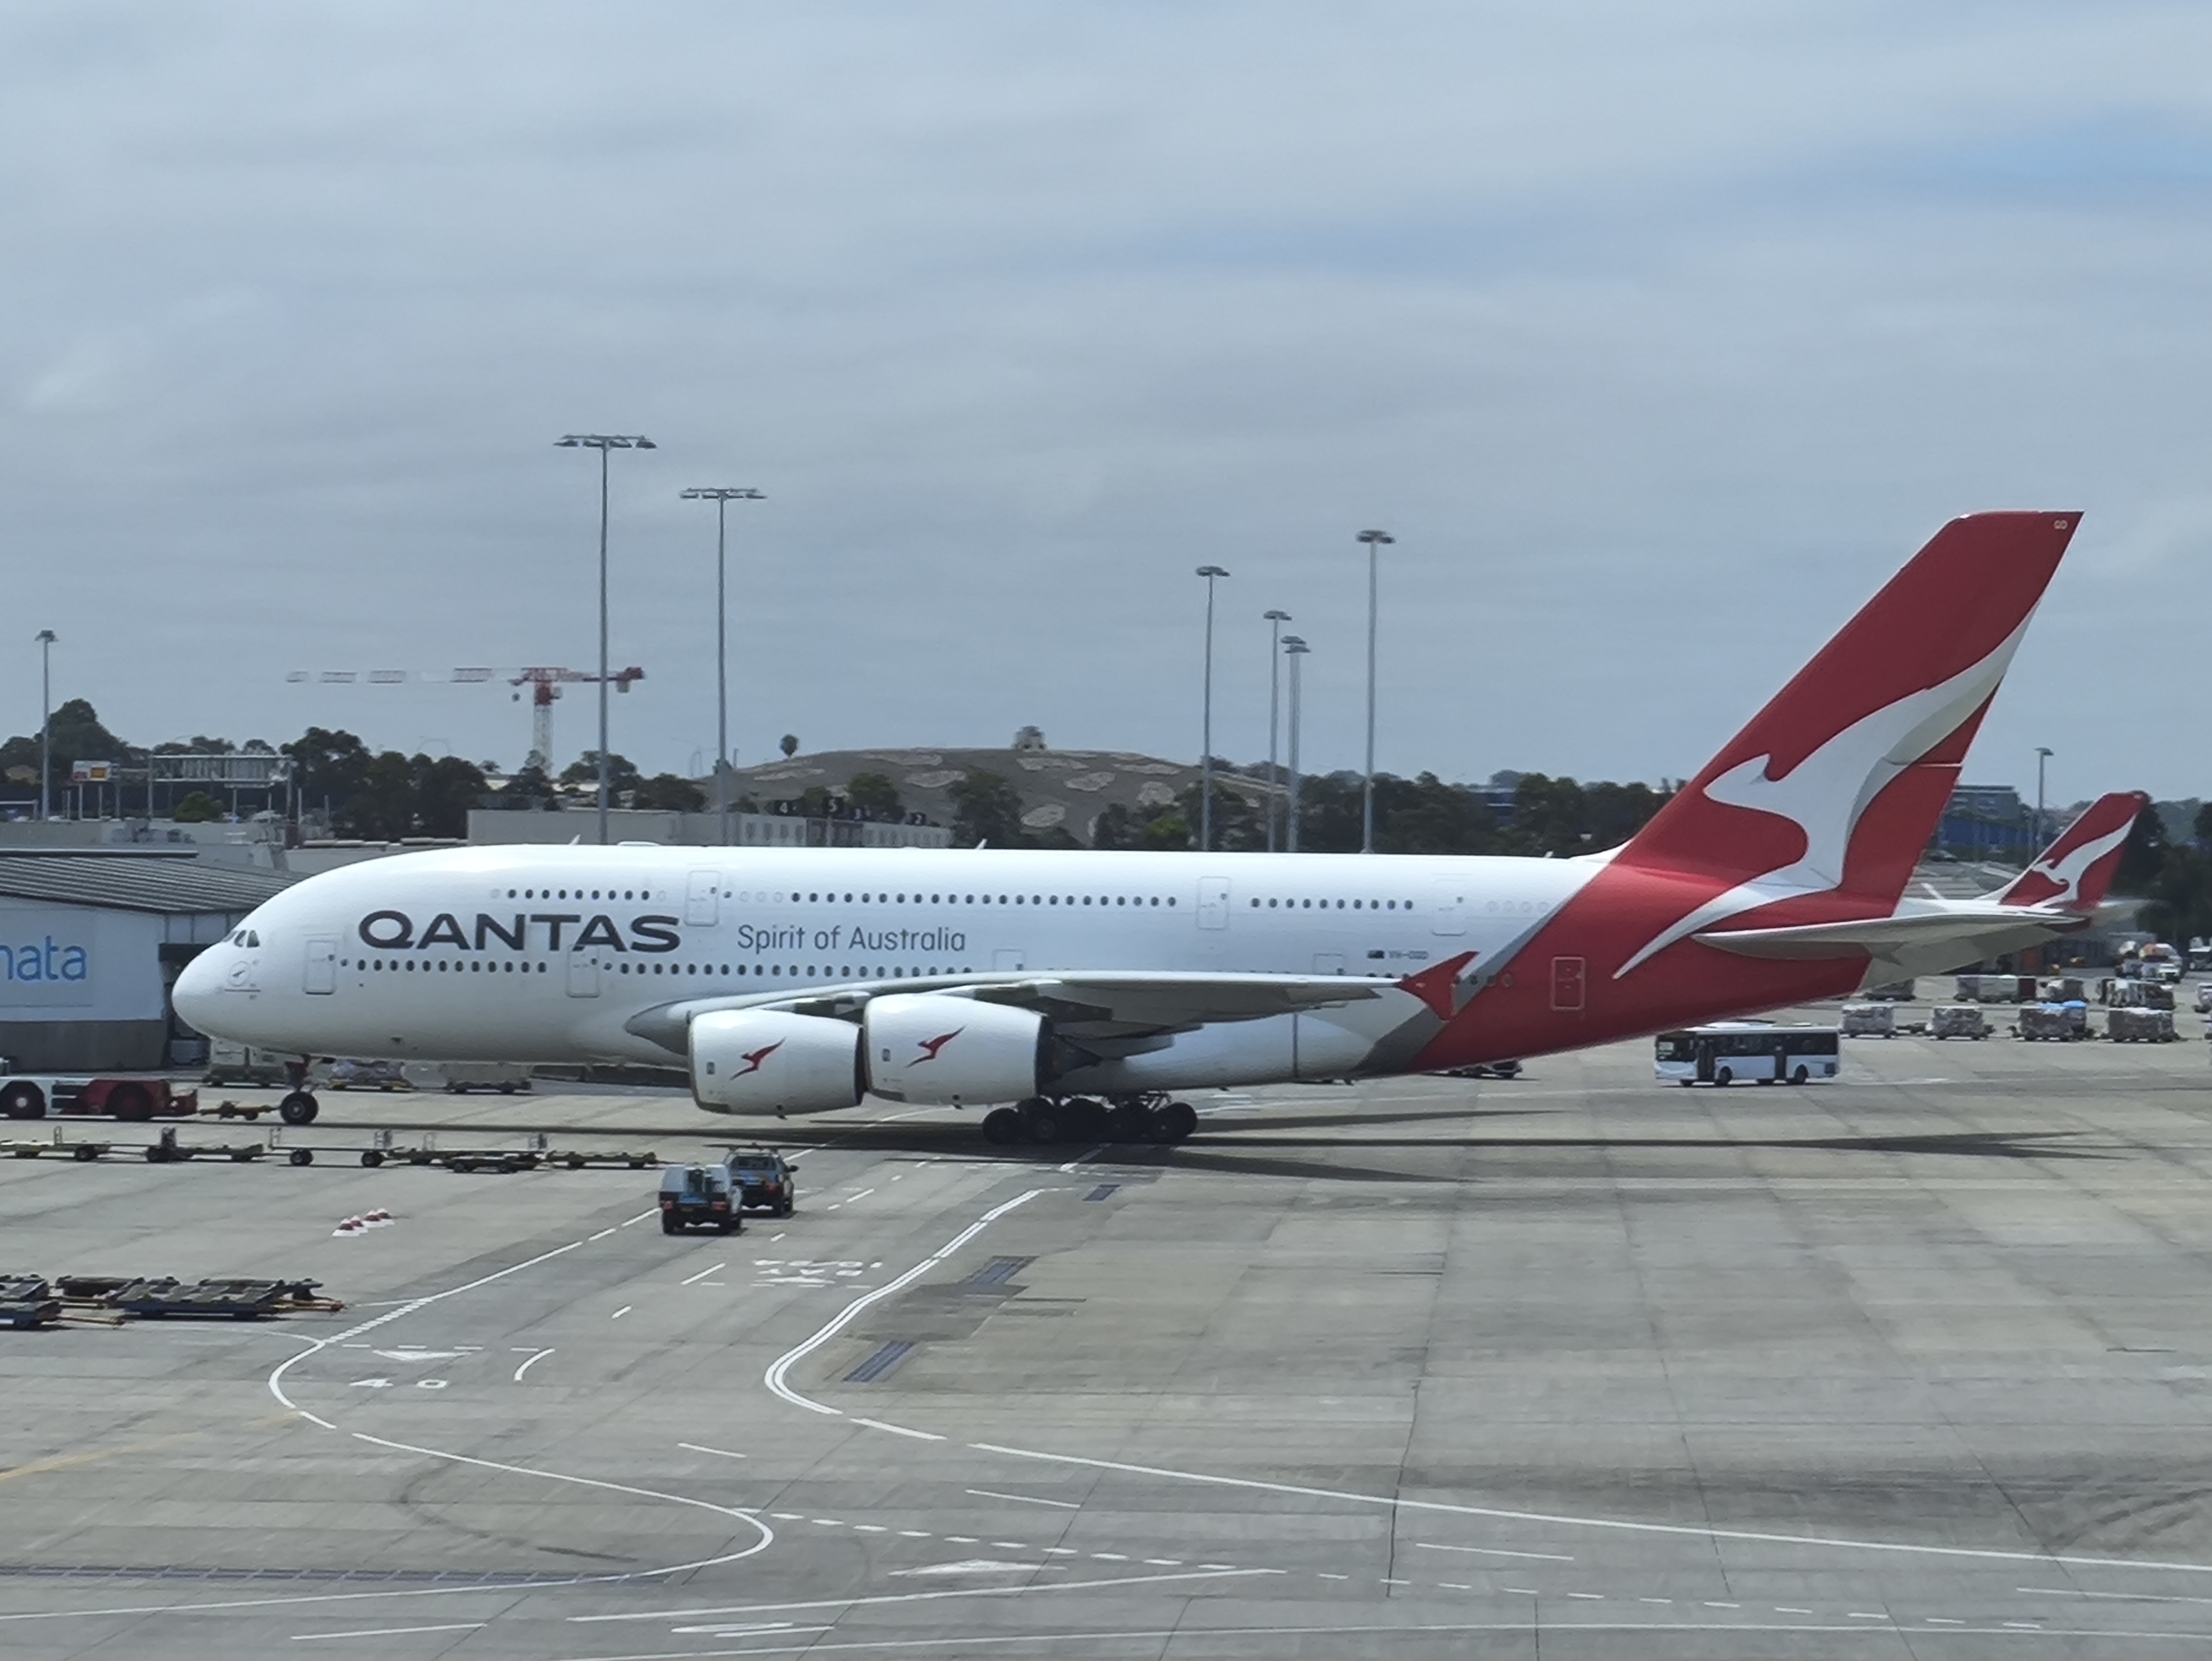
(1657, 336)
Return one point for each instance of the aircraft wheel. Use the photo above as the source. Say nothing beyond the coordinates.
(299, 1107)
(1178, 1120)
(1002, 1127)
(1043, 1124)
(1129, 1122)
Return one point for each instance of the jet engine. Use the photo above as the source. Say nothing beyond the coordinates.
(767, 1060)
(927, 1047)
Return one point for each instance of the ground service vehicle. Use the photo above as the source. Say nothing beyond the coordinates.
(1072, 985)
(241, 1064)
(1727, 1051)
(764, 1179)
(140, 1096)
(698, 1196)
(459, 1077)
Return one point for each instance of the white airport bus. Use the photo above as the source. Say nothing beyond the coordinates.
(1728, 1050)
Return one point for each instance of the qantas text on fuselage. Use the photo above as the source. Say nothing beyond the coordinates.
(792, 980)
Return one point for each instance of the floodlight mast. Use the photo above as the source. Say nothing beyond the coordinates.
(1211, 573)
(603, 442)
(722, 496)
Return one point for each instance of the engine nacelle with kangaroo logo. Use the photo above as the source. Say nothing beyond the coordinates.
(767, 1061)
(939, 1051)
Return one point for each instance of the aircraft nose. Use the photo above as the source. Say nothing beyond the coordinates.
(194, 994)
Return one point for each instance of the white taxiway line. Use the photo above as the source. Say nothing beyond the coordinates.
(1026, 1498)
(920, 1597)
(781, 1367)
(694, 1447)
(531, 1363)
(704, 1273)
(387, 1632)
(1618, 1524)
(1470, 1628)
(1493, 1551)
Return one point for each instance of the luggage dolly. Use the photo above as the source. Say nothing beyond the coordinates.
(170, 1151)
(74, 1149)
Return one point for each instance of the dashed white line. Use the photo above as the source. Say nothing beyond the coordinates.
(1522, 1592)
(704, 1273)
(854, 1199)
(1784, 1608)
(1588, 1596)
(603, 1234)
(1723, 1606)
(694, 1447)
(898, 1430)
(623, 1310)
(1026, 1498)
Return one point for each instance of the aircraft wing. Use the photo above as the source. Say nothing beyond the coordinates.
(1916, 942)
(1087, 1006)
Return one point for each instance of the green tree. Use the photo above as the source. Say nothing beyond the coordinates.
(2144, 856)
(198, 808)
(671, 793)
(528, 790)
(329, 768)
(622, 774)
(446, 787)
(1425, 815)
(875, 797)
(986, 809)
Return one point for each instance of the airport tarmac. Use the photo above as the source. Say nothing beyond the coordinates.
(1918, 1364)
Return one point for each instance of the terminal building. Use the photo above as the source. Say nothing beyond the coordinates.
(90, 944)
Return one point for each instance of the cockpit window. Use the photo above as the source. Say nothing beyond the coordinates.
(253, 937)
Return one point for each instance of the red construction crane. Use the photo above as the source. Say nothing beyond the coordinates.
(544, 684)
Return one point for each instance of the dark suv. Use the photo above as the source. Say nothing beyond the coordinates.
(764, 1179)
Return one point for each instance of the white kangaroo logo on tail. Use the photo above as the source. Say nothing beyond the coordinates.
(1825, 794)
(2068, 870)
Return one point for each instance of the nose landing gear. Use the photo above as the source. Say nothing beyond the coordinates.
(1048, 1120)
(300, 1106)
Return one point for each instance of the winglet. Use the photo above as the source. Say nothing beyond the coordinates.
(2075, 872)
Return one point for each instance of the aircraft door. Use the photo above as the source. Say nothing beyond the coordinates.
(321, 975)
(583, 972)
(1568, 976)
(701, 897)
(1213, 902)
(1450, 899)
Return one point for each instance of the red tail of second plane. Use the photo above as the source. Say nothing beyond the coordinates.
(2076, 872)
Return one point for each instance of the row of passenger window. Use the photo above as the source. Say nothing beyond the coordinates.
(918, 898)
(477, 965)
(1356, 906)
(579, 894)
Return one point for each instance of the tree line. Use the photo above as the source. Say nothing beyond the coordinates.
(1556, 817)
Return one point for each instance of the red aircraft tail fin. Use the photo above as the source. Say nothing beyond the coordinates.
(2076, 870)
(1835, 786)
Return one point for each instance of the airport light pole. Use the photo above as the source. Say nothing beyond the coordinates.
(1375, 540)
(1295, 649)
(1277, 619)
(1205, 725)
(722, 497)
(2042, 824)
(603, 442)
(45, 639)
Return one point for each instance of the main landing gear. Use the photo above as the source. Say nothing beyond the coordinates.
(1048, 1120)
(299, 1105)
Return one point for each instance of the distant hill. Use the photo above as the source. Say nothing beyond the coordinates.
(1059, 789)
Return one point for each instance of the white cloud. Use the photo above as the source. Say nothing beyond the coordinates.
(1659, 337)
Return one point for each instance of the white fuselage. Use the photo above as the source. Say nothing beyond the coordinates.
(548, 954)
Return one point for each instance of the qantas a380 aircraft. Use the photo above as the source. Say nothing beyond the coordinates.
(799, 981)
